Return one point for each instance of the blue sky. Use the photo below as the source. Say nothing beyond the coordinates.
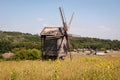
(93, 18)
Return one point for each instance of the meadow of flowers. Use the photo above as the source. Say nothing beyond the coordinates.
(79, 68)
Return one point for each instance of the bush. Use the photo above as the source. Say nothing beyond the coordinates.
(5, 46)
(34, 54)
(1, 56)
(26, 54)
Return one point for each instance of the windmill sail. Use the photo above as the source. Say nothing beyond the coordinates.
(63, 19)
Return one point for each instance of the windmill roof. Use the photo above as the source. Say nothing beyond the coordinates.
(52, 31)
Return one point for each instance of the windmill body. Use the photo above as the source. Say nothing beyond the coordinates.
(55, 42)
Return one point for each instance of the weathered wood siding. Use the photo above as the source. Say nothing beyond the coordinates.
(62, 46)
(50, 47)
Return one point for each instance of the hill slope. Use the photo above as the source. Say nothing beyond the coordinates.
(10, 40)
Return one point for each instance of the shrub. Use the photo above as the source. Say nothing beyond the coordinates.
(0, 55)
(34, 54)
(26, 54)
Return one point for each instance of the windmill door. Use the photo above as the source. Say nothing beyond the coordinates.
(50, 47)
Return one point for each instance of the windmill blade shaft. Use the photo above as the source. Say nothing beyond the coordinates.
(68, 42)
(63, 19)
(71, 19)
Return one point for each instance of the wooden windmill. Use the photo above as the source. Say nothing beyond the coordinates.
(55, 40)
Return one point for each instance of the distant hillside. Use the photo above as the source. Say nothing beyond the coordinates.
(19, 37)
(94, 43)
(11, 40)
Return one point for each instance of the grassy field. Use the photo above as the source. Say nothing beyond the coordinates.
(79, 68)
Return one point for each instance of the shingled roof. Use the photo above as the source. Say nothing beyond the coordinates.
(52, 31)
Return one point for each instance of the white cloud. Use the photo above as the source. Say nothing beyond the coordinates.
(40, 19)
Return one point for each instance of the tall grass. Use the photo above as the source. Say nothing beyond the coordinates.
(80, 68)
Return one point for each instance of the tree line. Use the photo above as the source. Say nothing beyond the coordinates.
(17, 42)
(94, 43)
